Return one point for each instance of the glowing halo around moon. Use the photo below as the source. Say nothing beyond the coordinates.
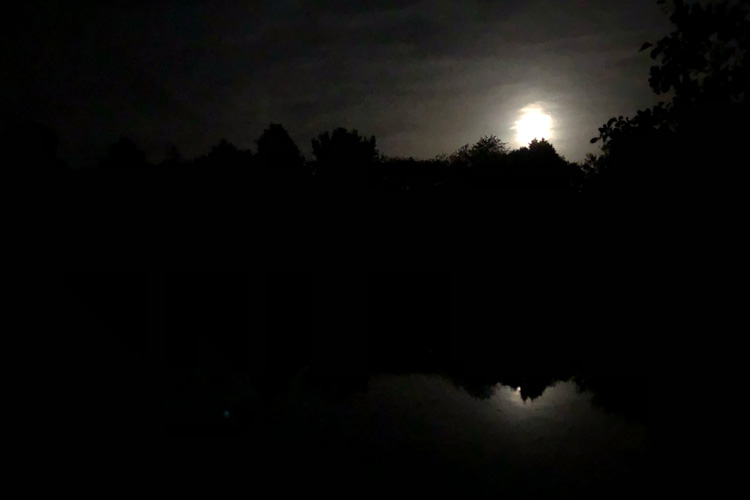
(533, 124)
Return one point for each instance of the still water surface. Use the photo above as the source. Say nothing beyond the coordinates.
(426, 431)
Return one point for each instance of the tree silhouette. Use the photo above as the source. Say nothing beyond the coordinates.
(540, 155)
(343, 155)
(706, 57)
(461, 158)
(277, 150)
(343, 146)
(543, 150)
(488, 151)
(225, 156)
(703, 63)
(490, 164)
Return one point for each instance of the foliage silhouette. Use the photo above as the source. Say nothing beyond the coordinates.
(277, 150)
(489, 151)
(486, 164)
(343, 156)
(537, 166)
(704, 65)
(225, 156)
(461, 158)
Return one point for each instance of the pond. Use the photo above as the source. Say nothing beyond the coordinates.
(427, 434)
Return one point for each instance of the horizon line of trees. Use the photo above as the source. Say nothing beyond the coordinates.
(342, 158)
(698, 135)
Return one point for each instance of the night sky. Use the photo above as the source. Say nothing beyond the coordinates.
(424, 77)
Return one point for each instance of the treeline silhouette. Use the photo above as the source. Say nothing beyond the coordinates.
(697, 135)
(342, 159)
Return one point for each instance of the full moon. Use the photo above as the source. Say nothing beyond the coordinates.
(533, 124)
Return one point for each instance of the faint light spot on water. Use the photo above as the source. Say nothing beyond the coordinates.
(226, 414)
